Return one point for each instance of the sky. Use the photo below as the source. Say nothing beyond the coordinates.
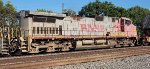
(76, 5)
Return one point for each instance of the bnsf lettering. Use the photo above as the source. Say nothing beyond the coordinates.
(92, 28)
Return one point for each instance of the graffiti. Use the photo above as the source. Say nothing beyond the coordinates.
(92, 27)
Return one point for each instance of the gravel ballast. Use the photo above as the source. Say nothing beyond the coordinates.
(134, 62)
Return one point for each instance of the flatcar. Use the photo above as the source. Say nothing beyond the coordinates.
(51, 32)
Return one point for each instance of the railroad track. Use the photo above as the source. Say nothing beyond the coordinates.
(48, 60)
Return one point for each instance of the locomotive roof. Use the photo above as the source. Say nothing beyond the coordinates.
(35, 13)
(126, 18)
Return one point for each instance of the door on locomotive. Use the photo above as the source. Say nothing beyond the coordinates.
(122, 25)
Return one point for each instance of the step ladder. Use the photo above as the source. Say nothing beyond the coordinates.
(24, 46)
(4, 46)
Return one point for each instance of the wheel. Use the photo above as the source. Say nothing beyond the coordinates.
(18, 52)
(14, 48)
(73, 46)
(111, 47)
(131, 45)
(145, 43)
(72, 49)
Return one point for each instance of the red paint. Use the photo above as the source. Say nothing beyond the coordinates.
(92, 27)
(122, 25)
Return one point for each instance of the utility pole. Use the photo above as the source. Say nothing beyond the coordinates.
(62, 7)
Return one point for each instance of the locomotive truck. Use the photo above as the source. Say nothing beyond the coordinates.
(51, 32)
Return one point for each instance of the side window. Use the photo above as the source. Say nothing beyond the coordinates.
(41, 30)
(37, 30)
(45, 30)
(99, 18)
(53, 30)
(43, 19)
(113, 19)
(56, 30)
(50, 30)
(33, 30)
(51, 20)
(60, 30)
(39, 19)
(127, 22)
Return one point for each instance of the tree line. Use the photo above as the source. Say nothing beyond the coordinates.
(97, 8)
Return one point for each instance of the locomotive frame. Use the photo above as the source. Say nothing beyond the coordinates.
(51, 32)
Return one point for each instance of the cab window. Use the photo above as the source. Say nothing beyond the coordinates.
(127, 22)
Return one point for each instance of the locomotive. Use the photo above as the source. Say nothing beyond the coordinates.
(51, 32)
(145, 30)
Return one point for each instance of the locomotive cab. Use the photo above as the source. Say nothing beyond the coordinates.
(124, 21)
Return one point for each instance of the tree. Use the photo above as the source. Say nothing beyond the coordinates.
(1, 7)
(7, 14)
(44, 10)
(1, 13)
(99, 8)
(92, 9)
(10, 17)
(108, 9)
(121, 12)
(69, 12)
(137, 14)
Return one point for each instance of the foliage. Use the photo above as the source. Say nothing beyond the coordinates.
(121, 12)
(98, 8)
(11, 19)
(137, 14)
(1, 13)
(69, 12)
(7, 14)
(44, 10)
(92, 9)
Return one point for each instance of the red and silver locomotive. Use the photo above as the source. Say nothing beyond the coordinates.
(50, 32)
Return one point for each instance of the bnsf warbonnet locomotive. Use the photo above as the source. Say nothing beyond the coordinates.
(50, 32)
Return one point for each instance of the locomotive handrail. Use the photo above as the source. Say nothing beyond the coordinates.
(79, 33)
